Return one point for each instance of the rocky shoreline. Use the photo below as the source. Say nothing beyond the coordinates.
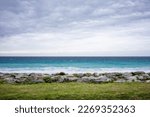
(25, 78)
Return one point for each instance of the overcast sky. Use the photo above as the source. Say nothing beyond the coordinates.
(75, 27)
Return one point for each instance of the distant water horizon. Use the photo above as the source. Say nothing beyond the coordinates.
(73, 64)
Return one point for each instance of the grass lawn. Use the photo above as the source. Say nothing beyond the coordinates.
(79, 91)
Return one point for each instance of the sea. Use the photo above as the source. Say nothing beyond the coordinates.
(73, 64)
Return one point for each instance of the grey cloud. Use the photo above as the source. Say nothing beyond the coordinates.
(80, 19)
(29, 16)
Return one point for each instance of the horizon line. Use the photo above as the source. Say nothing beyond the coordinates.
(68, 56)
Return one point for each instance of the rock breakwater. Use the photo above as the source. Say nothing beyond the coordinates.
(61, 77)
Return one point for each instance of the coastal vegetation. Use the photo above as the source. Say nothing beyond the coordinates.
(82, 86)
(73, 90)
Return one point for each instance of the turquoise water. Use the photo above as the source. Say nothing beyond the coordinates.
(74, 64)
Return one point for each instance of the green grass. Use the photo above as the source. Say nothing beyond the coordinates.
(62, 91)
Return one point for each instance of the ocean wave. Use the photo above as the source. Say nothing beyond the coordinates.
(70, 70)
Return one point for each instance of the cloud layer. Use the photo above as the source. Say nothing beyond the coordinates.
(75, 27)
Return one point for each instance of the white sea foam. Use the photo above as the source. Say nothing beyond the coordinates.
(70, 70)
